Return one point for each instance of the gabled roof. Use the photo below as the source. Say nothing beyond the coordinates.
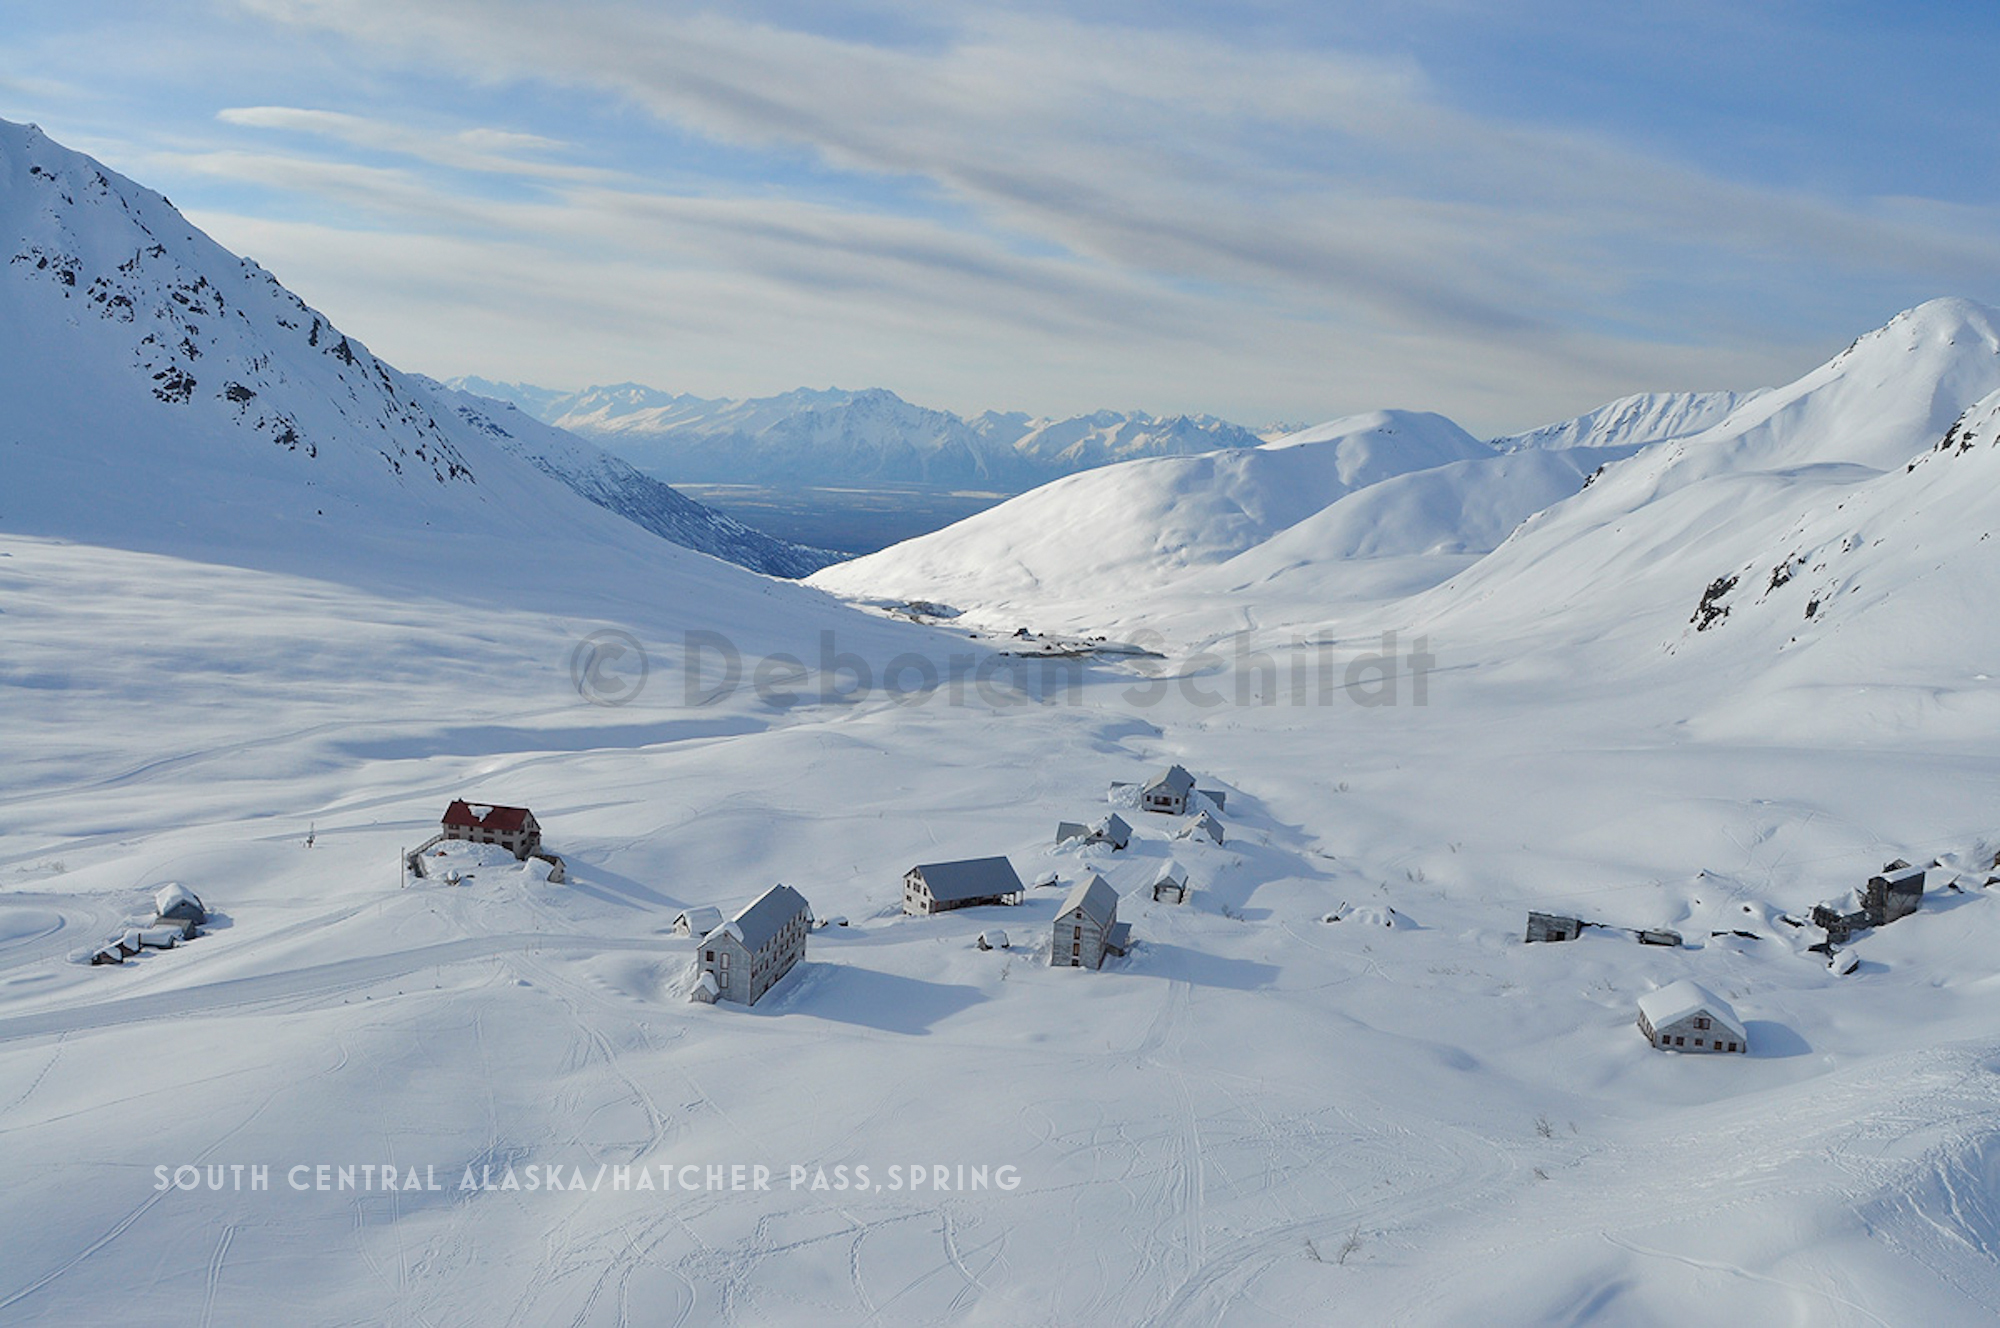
(1676, 1001)
(1174, 777)
(1114, 827)
(701, 921)
(1094, 899)
(1202, 824)
(486, 816)
(971, 878)
(759, 920)
(174, 895)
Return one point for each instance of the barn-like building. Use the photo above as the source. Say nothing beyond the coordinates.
(938, 887)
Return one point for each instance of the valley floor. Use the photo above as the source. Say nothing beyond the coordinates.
(1258, 1117)
(848, 520)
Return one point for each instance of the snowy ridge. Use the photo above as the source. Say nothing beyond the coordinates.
(1634, 421)
(829, 436)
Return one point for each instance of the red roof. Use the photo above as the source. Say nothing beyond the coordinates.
(493, 818)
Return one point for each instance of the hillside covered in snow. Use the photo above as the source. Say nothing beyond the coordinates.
(121, 323)
(1687, 672)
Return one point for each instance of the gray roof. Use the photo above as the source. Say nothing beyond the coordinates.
(1114, 827)
(758, 921)
(1095, 898)
(1174, 777)
(972, 878)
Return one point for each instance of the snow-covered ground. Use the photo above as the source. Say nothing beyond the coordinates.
(1198, 1131)
(1257, 1117)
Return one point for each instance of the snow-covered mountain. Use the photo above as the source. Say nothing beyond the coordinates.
(1109, 536)
(240, 403)
(1688, 534)
(834, 437)
(1634, 421)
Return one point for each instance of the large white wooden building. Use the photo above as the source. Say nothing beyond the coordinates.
(746, 955)
(936, 887)
(1083, 926)
(1686, 1016)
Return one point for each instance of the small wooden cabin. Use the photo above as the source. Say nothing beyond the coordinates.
(697, 922)
(1553, 927)
(1203, 826)
(1686, 1016)
(1168, 791)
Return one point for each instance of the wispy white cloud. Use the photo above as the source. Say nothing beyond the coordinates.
(1310, 227)
(484, 150)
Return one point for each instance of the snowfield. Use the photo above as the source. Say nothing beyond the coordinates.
(1257, 1117)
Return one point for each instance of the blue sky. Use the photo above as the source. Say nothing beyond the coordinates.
(1262, 210)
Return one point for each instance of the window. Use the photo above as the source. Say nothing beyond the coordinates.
(1701, 1023)
(1680, 1042)
(711, 956)
(1697, 1042)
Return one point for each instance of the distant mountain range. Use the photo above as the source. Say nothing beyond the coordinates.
(832, 437)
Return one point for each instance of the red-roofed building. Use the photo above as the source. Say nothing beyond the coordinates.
(513, 828)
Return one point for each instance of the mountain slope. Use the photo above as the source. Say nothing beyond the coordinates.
(1634, 421)
(132, 344)
(1670, 553)
(1104, 536)
(617, 487)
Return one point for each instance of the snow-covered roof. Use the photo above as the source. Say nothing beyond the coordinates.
(759, 920)
(1174, 777)
(973, 878)
(1094, 898)
(700, 921)
(1202, 824)
(1677, 1000)
(1115, 828)
(173, 893)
